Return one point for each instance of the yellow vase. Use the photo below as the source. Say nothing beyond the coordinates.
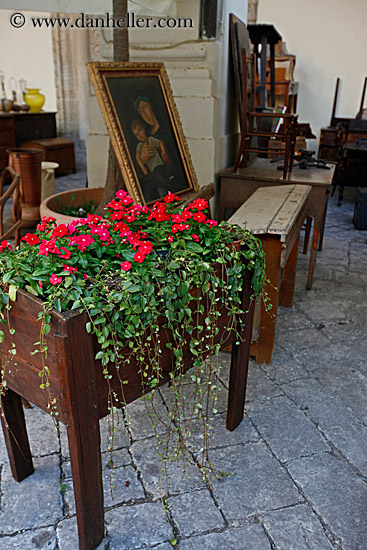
(34, 99)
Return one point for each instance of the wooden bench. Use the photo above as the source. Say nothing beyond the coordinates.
(275, 215)
(58, 149)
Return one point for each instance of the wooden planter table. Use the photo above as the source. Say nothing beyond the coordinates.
(78, 384)
(275, 215)
(236, 188)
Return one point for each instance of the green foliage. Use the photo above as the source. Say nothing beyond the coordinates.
(152, 281)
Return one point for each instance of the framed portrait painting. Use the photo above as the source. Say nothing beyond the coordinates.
(143, 123)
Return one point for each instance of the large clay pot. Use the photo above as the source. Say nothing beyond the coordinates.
(75, 197)
(27, 163)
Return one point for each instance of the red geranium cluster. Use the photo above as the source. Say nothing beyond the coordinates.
(128, 235)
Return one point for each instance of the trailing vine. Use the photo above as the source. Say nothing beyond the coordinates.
(152, 281)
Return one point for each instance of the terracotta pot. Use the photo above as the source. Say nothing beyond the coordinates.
(27, 163)
(52, 205)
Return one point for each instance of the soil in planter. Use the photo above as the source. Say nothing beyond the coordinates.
(76, 211)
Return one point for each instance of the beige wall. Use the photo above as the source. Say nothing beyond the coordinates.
(203, 92)
(26, 53)
(329, 38)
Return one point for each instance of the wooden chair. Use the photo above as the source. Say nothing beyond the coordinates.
(13, 192)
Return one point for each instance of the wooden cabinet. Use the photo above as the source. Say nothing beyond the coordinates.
(328, 149)
(18, 127)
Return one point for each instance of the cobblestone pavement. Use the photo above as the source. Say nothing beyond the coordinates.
(299, 458)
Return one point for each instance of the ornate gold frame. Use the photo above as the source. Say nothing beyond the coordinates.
(98, 72)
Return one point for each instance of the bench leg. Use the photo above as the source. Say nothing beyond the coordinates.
(265, 343)
(239, 364)
(289, 278)
(15, 435)
(315, 244)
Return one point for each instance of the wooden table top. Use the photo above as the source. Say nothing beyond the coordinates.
(265, 170)
(272, 209)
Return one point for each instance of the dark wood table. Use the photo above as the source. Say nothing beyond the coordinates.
(236, 188)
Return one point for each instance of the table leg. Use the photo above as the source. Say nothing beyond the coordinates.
(265, 343)
(289, 278)
(315, 244)
(307, 234)
(15, 435)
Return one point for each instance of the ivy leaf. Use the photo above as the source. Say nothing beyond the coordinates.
(13, 292)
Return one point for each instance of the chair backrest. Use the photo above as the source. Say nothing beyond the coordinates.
(13, 192)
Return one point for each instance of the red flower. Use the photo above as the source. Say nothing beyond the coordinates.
(60, 230)
(69, 268)
(170, 238)
(121, 194)
(66, 254)
(85, 276)
(125, 266)
(47, 247)
(127, 200)
(199, 204)
(31, 238)
(139, 257)
(195, 237)
(171, 197)
(199, 217)
(55, 280)
(179, 227)
(4, 245)
(145, 247)
(212, 223)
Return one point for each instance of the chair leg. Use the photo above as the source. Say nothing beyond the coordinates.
(15, 435)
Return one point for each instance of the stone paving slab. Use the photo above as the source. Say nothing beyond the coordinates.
(338, 494)
(40, 539)
(251, 537)
(296, 528)
(286, 428)
(336, 421)
(124, 486)
(153, 473)
(35, 501)
(257, 482)
(136, 527)
(194, 513)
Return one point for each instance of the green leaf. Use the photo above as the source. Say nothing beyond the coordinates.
(13, 292)
(8, 276)
(68, 281)
(88, 327)
(30, 290)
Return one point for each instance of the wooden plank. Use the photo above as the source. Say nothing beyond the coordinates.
(265, 170)
(286, 216)
(261, 208)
